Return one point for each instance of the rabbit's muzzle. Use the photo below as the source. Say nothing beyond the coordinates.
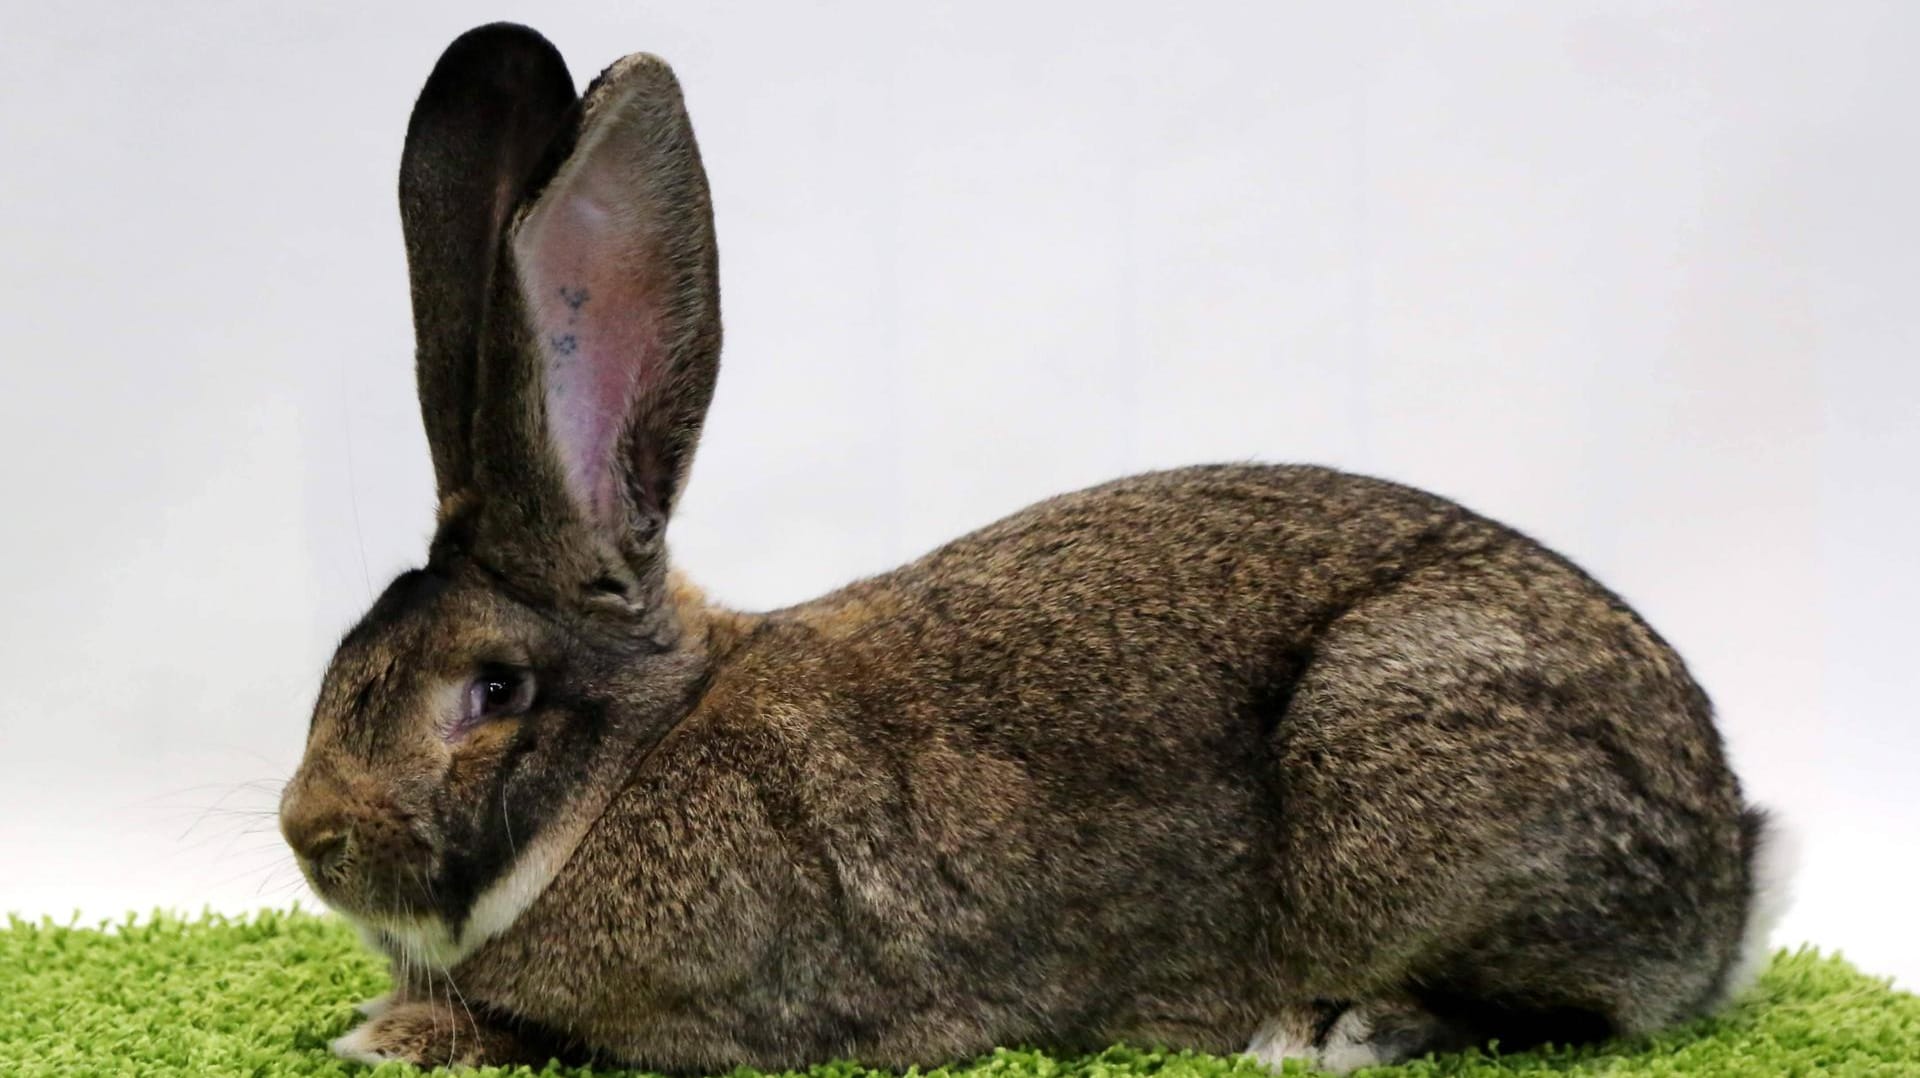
(361, 851)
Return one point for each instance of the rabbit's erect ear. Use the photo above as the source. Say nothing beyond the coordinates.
(619, 281)
(484, 121)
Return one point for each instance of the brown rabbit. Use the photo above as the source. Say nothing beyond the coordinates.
(1231, 758)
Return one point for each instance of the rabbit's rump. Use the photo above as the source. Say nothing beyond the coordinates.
(1504, 816)
(1298, 744)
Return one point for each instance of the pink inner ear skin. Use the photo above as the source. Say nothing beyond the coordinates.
(593, 308)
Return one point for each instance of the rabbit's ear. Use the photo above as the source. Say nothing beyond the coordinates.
(484, 121)
(619, 286)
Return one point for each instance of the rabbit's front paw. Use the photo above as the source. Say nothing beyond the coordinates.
(360, 1045)
(426, 1035)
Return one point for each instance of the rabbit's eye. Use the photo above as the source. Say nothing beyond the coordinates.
(497, 693)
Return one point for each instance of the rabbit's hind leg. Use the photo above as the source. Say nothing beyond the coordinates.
(1503, 797)
(1342, 1037)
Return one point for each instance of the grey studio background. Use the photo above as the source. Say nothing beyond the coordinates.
(1638, 279)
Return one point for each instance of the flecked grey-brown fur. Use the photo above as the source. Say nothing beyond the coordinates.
(1159, 761)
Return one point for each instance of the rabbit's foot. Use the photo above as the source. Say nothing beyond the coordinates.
(1342, 1037)
(1294, 1033)
(431, 1035)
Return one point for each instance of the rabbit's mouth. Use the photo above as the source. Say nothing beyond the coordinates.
(388, 889)
(371, 880)
(367, 850)
(442, 933)
(423, 939)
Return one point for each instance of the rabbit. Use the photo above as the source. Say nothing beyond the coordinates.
(1237, 758)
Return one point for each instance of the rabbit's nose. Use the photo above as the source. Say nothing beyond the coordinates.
(324, 850)
(317, 833)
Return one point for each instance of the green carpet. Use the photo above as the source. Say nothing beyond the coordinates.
(263, 995)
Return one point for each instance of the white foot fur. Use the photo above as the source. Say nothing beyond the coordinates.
(1370, 1034)
(357, 1047)
(1280, 1039)
(1348, 1045)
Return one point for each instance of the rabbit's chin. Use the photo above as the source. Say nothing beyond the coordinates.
(435, 939)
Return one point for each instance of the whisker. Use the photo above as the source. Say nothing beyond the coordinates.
(508, 821)
(246, 863)
(202, 787)
(218, 802)
(473, 1023)
(276, 879)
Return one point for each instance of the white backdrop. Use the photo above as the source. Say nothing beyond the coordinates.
(1636, 278)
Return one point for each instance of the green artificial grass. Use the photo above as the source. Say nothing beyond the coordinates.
(263, 995)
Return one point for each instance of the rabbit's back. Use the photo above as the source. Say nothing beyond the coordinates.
(1158, 760)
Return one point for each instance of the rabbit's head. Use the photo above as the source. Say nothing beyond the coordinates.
(566, 312)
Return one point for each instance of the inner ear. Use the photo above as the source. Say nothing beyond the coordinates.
(592, 300)
(618, 278)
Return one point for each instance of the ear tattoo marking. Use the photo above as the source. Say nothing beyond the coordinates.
(574, 298)
(565, 344)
